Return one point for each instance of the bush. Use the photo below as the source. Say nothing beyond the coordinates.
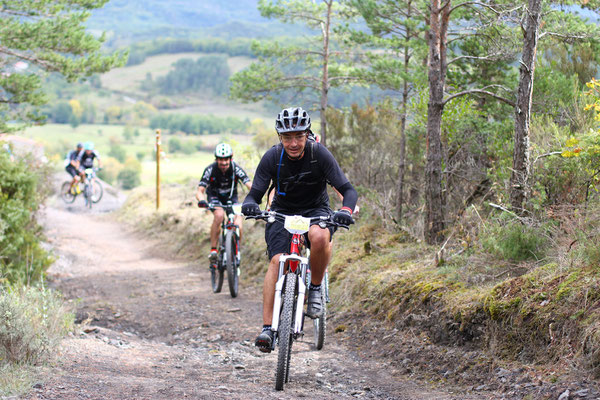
(110, 169)
(174, 145)
(32, 323)
(22, 258)
(129, 177)
(117, 152)
(514, 241)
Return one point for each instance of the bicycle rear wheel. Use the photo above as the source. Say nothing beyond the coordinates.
(65, 193)
(285, 332)
(97, 190)
(231, 246)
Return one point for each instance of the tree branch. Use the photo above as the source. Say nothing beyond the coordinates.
(488, 57)
(482, 91)
(552, 153)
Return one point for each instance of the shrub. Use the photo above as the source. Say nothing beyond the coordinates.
(174, 145)
(32, 322)
(129, 177)
(513, 241)
(110, 169)
(22, 258)
(117, 152)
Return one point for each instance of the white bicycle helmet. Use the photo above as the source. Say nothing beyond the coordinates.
(293, 119)
(223, 150)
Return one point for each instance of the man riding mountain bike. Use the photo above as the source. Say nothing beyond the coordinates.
(219, 185)
(299, 170)
(86, 159)
(72, 165)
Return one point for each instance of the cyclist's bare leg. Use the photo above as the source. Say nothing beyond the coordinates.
(73, 182)
(269, 289)
(320, 253)
(215, 229)
(239, 219)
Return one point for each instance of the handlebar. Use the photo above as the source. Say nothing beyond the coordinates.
(228, 207)
(322, 220)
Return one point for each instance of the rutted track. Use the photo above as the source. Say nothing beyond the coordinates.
(155, 330)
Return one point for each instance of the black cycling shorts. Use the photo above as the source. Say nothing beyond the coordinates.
(279, 239)
(72, 170)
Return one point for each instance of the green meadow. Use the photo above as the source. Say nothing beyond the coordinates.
(58, 139)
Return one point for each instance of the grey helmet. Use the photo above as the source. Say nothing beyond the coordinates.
(223, 150)
(293, 119)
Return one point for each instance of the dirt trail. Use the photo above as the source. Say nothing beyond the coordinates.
(155, 330)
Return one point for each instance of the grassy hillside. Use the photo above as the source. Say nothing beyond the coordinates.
(541, 315)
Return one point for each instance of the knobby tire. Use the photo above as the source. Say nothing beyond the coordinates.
(231, 242)
(320, 324)
(216, 274)
(286, 330)
(97, 190)
(87, 193)
(65, 193)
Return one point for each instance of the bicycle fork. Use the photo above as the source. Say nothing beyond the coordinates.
(301, 288)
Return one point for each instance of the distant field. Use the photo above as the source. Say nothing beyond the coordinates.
(58, 139)
(128, 78)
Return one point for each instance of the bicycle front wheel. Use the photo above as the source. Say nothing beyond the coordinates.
(87, 193)
(65, 193)
(97, 190)
(285, 331)
(216, 278)
(320, 324)
(231, 248)
(216, 270)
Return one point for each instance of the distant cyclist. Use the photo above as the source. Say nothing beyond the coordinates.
(299, 170)
(72, 165)
(219, 185)
(86, 159)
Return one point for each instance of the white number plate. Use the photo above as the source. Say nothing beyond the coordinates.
(297, 224)
(237, 209)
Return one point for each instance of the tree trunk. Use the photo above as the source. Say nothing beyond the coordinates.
(402, 155)
(325, 79)
(434, 201)
(519, 185)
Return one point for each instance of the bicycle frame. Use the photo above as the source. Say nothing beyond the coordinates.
(228, 223)
(294, 261)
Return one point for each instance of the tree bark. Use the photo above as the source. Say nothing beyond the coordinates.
(434, 200)
(519, 185)
(325, 28)
(402, 155)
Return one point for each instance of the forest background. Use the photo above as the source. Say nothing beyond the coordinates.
(471, 131)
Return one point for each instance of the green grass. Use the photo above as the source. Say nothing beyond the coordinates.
(176, 168)
(58, 139)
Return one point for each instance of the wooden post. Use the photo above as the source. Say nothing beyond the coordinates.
(157, 168)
